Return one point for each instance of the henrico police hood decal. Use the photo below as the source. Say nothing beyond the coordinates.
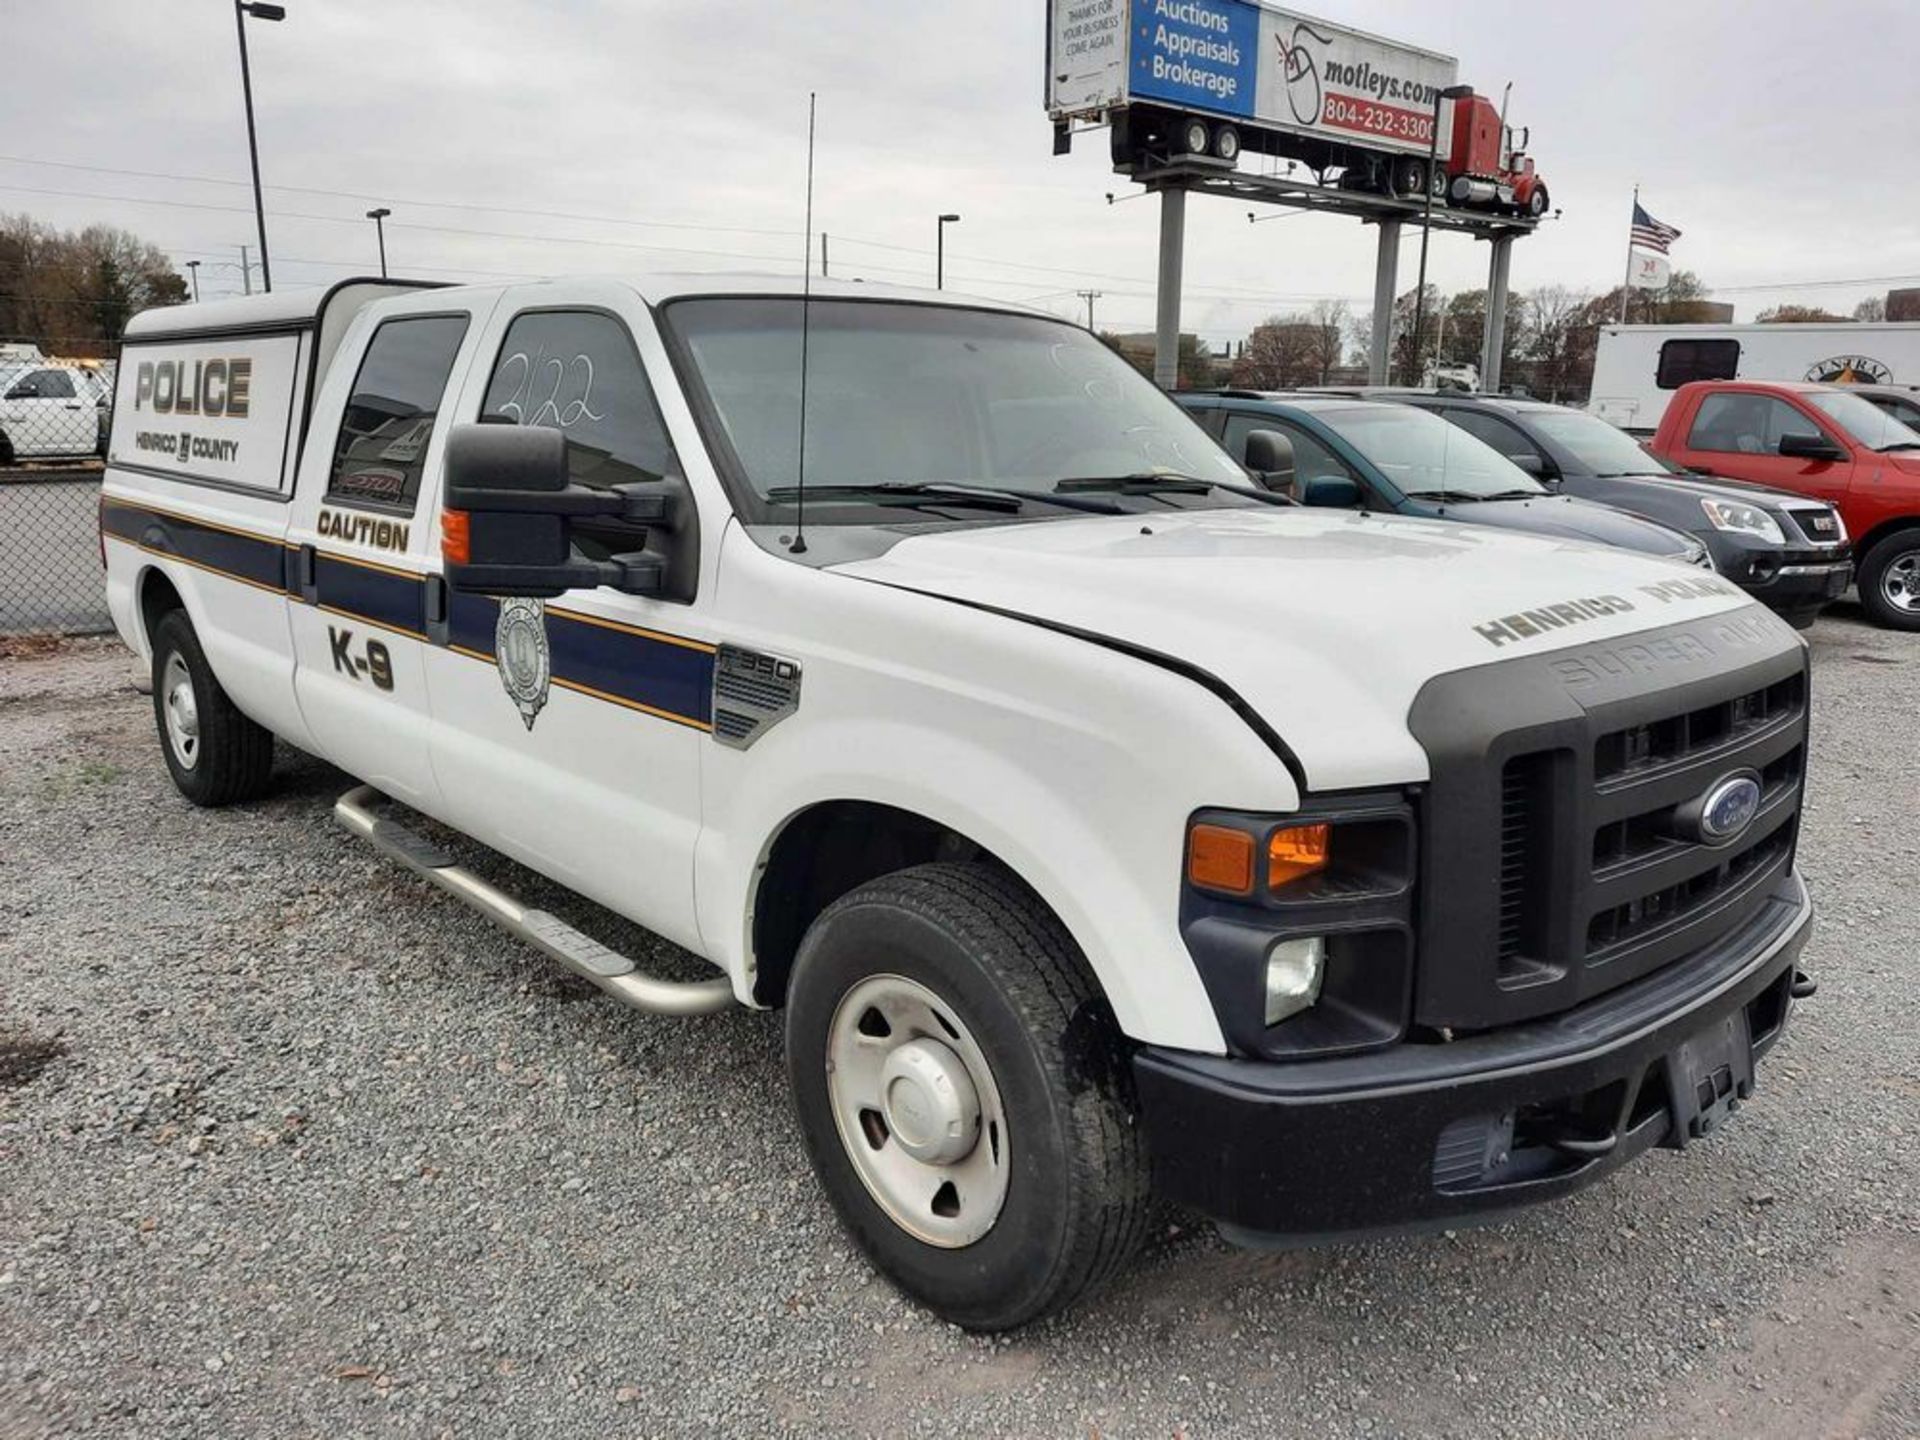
(525, 659)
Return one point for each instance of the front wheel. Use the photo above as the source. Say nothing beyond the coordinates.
(1889, 581)
(961, 1087)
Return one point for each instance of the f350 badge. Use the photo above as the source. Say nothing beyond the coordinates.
(525, 660)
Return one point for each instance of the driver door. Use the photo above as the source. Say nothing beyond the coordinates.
(569, 731)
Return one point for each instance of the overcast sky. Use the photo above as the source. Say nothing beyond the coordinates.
(1778, 136)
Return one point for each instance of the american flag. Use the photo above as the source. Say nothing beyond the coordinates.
(1651, 234)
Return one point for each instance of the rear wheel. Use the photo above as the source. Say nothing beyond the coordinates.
(1889, 581)
(216, 755)
(1194, 136)
(963, 1092)
(1409, 178)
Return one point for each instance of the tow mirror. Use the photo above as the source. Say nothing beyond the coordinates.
(1331, 492)
(1803, 446)
(507, 524)
(1270, 460)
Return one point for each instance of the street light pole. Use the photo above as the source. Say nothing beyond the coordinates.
(1452, 92)
(193, 269)
(379, 219)
(260, 10)
(940, 251)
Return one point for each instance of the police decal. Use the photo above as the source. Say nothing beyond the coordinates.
(525, 660)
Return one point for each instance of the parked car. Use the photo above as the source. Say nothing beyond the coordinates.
(1900, 401)
(1790, 553)
(1824, 441)
(49, 411)
(1380, 456)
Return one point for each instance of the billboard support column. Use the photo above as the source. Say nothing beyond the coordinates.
(1494, 343)
(1166, 331)
(1386, 275)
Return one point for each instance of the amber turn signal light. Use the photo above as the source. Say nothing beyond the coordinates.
(455, 539)
(1220, 859)
(1295, 851)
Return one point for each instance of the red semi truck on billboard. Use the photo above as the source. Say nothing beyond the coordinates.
(1176, 79)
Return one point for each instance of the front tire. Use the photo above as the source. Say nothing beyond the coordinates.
(1889, 581)
(216, 755)
(962, 1089)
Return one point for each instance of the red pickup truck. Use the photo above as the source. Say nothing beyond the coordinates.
(1819, 440)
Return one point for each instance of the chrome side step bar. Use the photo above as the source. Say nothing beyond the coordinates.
(546, 932)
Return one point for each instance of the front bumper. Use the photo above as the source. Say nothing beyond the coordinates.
(1425, 1135)
(1792, 581)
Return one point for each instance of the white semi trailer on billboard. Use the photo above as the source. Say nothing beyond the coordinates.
(1175, 79)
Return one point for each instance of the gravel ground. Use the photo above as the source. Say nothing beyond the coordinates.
(50, 554)
(292, 1145)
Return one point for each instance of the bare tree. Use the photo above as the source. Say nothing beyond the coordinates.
(73, 292)
(1282, 351)
(1330, 320)
(1871, 310)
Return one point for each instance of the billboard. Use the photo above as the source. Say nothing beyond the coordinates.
(1255, 62)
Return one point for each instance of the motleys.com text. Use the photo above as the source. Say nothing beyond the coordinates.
(1360, 75)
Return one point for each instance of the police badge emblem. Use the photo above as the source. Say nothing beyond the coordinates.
(526, 662)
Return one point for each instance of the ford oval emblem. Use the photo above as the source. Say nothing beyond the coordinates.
(1729, 807)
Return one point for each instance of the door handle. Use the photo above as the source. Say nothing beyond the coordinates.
(433, 605)
(70, 407)
(306, 574)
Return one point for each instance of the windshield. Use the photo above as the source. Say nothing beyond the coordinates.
(1595, 445)
(1865, 421)
(1426, 456)
(912, 394)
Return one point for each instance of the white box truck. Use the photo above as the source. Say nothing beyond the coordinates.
(1636, 368)
(1104, 827)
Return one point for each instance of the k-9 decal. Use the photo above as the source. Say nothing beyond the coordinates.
(373, 663)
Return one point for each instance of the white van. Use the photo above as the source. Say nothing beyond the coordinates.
(1637, 368)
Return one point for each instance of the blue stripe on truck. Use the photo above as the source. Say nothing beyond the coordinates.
(652, 671)
(656, 673)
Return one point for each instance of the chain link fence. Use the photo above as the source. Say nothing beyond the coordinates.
(53, 428)
(51, 582)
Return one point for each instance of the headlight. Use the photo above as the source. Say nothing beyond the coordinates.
(1742, 519)
(1294, 968)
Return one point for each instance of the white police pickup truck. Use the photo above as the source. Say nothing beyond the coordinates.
(1105, 828)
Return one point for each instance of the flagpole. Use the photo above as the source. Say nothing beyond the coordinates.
(1626, 285)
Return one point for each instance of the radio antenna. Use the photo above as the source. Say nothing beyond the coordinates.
(799, 546)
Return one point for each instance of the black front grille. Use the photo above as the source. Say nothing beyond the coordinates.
(1647, 882)
(1559, 857)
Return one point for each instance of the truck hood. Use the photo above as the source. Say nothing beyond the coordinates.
(1570, 518)
(1326, 623)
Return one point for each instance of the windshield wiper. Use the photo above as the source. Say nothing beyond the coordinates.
(1515, 495)
(1161, 482)
(930, 492)
(1901, 445)
(1447, 497)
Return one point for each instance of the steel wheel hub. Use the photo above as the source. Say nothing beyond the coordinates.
(182, 712)
(1900, 582)
(917, 1111)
